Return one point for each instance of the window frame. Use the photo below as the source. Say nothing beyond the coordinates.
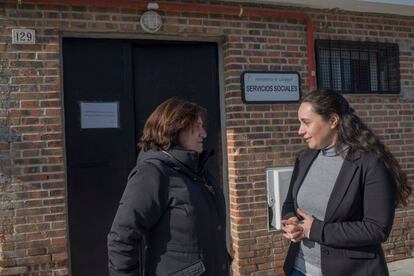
(393, 86)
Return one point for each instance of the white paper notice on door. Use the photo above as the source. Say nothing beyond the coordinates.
(99, 114)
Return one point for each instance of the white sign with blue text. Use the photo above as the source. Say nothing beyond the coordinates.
(270, 87)
(99, 115)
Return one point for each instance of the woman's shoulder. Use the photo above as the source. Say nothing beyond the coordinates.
(369, 159)
(147, 168)
(368, 156)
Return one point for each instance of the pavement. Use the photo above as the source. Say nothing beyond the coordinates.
(402, 268)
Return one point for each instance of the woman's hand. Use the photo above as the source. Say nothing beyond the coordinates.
(292, 229)
(306, 223)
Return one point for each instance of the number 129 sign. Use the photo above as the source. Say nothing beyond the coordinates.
(23, 36)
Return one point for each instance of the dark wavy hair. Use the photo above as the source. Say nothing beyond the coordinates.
(166, 121)
(357, 136)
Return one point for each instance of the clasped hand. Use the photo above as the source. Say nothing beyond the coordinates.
(295, 230)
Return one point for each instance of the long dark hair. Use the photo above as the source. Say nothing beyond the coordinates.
(357, 136)
(167, 120)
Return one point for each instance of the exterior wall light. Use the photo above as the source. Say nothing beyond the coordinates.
(150, 20)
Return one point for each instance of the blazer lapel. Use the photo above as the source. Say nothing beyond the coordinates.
(305, 163)
(345, 176)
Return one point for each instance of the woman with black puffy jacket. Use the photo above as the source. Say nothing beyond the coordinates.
(171, 218)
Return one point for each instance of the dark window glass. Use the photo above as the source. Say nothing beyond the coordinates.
(358, 67)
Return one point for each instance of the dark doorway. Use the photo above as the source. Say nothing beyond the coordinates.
(110, 88)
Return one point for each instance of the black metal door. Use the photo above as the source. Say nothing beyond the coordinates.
(134, 77)
(98, 159)
(186, 70)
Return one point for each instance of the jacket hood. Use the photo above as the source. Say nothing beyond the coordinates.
(178, 157)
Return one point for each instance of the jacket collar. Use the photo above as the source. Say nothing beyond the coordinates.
(344, 179)
(190, 162)
(187, 158)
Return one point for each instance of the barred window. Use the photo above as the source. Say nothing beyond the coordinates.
(358, 67)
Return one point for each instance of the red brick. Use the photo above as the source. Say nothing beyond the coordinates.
(258, 136)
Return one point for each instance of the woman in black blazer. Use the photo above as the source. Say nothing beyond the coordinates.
(343, 193)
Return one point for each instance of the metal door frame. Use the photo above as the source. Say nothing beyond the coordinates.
(219, 40)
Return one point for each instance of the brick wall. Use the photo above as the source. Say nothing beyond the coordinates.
(33, 229)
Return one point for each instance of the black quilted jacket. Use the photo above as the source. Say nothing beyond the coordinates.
(170, 220)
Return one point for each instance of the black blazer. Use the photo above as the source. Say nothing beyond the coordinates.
(358, 218)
